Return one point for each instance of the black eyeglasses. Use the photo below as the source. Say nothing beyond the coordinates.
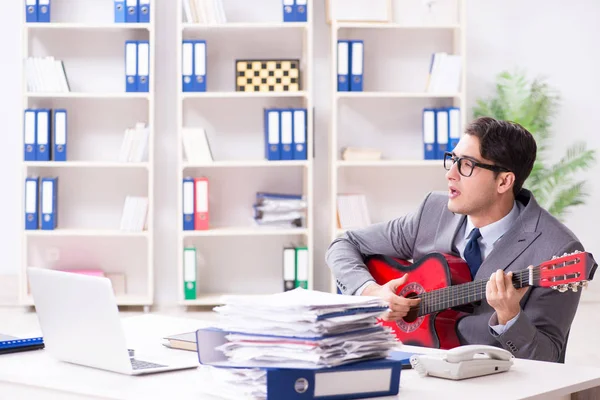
(466, 165)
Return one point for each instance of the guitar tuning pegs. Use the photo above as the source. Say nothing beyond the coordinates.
(563, 288)
(573, 286)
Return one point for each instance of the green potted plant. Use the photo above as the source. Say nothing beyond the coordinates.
(532, 104)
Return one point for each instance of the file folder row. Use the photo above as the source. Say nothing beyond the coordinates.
(190, 272)
(350, 65)
(441, 131)
(295, 10)
(285, 133)
(37, 10)
(206, 12)
(195, 204)
(45, 74)
(41, 208)
(279, 210)
(193, 65)
(295, 268)
(45, 134)
(132, 11)
(137, 66)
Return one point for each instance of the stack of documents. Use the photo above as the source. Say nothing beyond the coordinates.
(279, 210)
(303, 329)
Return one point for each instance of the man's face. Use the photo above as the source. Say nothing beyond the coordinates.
(475, 194)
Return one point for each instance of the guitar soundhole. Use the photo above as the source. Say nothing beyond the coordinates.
(414, 312)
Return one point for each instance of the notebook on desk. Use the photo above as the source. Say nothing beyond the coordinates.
(12, 344)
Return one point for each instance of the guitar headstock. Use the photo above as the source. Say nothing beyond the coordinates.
(569, 271)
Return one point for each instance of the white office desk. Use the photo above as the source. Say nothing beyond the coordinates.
(34, 374)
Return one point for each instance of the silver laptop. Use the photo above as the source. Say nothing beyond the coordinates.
(80, 323)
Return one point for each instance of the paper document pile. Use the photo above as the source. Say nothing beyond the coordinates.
(303, 329)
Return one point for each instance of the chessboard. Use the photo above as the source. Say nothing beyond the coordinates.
(267, 75)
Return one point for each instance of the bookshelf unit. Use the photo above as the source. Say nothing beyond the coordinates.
(92, 183)
(234, 256)
(387, 114)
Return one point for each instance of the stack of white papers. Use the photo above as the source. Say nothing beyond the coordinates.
(303, 329)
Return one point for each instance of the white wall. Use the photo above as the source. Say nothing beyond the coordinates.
(551, 37)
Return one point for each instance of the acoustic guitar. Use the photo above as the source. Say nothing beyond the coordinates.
(443, 283)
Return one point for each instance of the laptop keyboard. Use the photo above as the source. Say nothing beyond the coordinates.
(139, 364)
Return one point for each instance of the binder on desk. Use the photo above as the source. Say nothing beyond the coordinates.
(43, 11)
(300, 11)
(60, 135)
(272, 136)
(43, 134)
(288, 11)
(31, 11)
(32, 199)
(29, 135)
(49, 207)
(299, 134)
(429, 134)
(119, 11)
(144, 11)
(287, 134)
(143, 60)
(12, 344)
(441, 132)
(343, 65)
(187, 66)
(131, 66)
(357, 65)
(188, 203)
(361, 379)
(132, 11)
(289, 268)
(199, 65)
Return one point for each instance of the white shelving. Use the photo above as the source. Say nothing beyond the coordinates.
(234, 256)
(387, 115)
(93, 183)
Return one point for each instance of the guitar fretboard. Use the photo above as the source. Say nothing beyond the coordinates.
(458, 295)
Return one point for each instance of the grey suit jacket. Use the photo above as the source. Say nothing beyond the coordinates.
(541, 330)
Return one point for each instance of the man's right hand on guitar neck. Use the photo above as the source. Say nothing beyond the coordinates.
(399, 306)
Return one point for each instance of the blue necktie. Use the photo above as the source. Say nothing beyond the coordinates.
(473, 253)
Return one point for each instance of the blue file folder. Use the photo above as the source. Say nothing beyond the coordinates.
(132, 11)
(43, 127)
(30, 135)
(343, 65)
(12, 344)
(199, 66)
(357, 65)
(307, 383)
(429, 144)
(454, 130)
(49, 197)
(188, 203)
(131, 66)
(119, 11)
(187, 66)
(300, 11)
(442, 126)
(31, 11)
(32, 203)
(43, 14)
(144, 11)
(272, 126)
(143, 61)
(286, 133)
(59, 137)
(300, 133)
(288, 11)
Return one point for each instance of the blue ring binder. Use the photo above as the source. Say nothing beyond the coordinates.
(14, 345)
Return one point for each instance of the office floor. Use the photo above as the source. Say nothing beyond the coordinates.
(583, 348)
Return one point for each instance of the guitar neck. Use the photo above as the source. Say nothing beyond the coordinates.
(458, 295)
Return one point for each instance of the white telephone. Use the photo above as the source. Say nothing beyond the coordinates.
(463, 362)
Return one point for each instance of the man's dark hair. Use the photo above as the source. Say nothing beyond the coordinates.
(506, 144)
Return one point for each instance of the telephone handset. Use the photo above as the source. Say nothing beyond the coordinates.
(463, 362)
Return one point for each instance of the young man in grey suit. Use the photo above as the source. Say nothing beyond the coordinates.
(488, 219)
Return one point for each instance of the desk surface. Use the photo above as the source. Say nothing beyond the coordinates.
(36, 373)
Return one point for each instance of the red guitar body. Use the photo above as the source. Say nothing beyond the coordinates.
(434, 271)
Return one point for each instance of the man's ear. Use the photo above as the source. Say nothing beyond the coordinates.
(506, 181)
